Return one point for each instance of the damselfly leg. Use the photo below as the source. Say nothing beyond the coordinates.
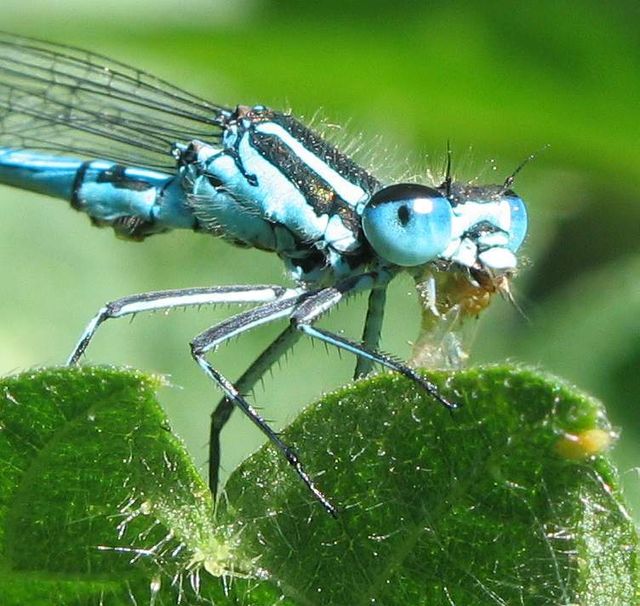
(222, 413)
(168, 299)
(314, 306)
(372, 329)
(285, 341)
(215, 336)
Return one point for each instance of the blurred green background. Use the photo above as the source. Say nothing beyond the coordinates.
(500, 80)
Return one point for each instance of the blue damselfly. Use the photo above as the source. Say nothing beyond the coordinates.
(139, 155)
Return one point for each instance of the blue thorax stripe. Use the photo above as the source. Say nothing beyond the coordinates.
(331, 183)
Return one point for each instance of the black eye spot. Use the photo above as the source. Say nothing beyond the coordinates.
(403, 215)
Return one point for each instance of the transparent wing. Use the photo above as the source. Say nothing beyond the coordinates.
(62, 99)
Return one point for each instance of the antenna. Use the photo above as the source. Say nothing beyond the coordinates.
(447, 173)
(508, 182)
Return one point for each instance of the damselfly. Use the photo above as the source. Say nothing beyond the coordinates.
(139, 155)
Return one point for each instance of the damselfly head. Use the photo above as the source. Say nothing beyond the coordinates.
(479, 228)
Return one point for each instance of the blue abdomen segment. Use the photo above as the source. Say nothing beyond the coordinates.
(136, 202)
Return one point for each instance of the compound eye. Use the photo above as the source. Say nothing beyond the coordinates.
(518, 213)
(408, 224)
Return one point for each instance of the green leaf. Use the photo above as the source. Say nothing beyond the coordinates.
(507, 501)
(510, 500)
(99, 502)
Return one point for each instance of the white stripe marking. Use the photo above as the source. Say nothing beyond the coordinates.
(247, 296)
(349, 192)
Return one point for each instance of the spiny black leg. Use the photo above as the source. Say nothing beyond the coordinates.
(379, 358)
(213, 337)
(256, 419)
(312, 307)
(167, 299)
(372, 329)
(285, 340)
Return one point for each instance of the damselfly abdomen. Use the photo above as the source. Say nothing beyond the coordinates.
(143, 157)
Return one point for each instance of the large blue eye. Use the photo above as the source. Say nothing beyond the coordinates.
(407, 224)
(518, 229)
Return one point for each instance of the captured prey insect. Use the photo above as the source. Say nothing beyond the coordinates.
(143, 157)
